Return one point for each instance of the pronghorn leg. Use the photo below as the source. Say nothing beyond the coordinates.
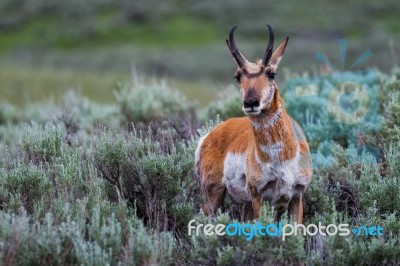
(256, 204)
(247, 212)
(296, 208)
(215, 196)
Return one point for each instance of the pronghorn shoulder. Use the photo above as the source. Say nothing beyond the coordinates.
(233, 134)
(232, 128)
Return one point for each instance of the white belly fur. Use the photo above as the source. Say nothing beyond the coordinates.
(287, 171)
(235, 177)
(235, 174)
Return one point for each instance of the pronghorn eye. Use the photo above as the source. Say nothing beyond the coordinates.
(238, 77)
(270, 75)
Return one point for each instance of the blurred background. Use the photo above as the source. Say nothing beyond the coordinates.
(48, 47)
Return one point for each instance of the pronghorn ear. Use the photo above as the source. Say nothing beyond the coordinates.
(277, 55)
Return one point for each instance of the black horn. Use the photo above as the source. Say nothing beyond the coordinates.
(270, 47)
(239, 58)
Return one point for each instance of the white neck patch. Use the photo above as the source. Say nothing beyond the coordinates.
(268, 121)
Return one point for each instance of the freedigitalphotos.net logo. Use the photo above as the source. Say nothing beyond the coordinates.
(249, 231)
(350, 109)
(338, 102)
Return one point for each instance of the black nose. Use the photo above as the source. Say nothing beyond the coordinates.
(250, 103)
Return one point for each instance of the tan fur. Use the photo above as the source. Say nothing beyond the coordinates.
(271, 141)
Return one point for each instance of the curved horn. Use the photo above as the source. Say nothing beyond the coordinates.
(270, 47)
(237, 55)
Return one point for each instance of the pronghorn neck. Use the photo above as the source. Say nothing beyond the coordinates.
(273, 134)
(268, 118)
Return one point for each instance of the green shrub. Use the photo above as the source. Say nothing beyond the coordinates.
(41, 144)
(24, 186)
(8, 113)
(76, 241)
(149, 249)
(333, 111)
(158, 169)
(236, 250)
(79, 186)
(227, 105)
(391, 124)
(144, 102)
(79, 113)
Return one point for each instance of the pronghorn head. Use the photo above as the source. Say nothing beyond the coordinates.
(257, 85)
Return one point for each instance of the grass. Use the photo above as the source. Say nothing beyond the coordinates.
(23, 85)
(160, 34)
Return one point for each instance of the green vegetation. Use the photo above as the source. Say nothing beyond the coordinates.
(99, 184)
(91, 44)
(95, 171)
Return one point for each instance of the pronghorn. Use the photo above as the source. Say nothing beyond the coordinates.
(261, 157)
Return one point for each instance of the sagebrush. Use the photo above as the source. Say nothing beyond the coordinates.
(89, 184)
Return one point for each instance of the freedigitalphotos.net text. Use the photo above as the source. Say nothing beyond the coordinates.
(280, 230)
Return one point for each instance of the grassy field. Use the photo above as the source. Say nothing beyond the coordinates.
(107, 38)
(23, 85)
